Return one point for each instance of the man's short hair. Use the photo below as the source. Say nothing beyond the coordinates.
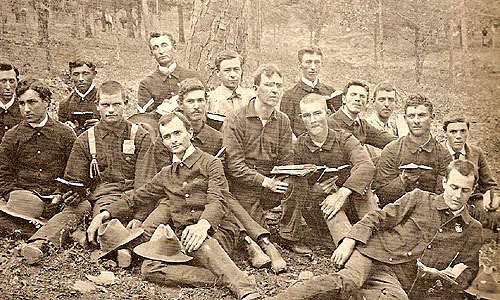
(189, 85)
(455, 117)
(309, 50)
(415, 100)
(80, 62)
(111, 87)
(266, 69)
(313, 98)
(168, 117)
(34, 85)
(383, 87)
(356, 83)
(464, 167)
(226, 55)
(5, 66)
(156, 34)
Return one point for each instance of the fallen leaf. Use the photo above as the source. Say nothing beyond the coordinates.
(84, 286)
(105, 277)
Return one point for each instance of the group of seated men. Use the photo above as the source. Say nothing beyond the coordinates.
(390, 204)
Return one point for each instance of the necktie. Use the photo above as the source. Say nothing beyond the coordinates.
(86, 93)
(456, 155)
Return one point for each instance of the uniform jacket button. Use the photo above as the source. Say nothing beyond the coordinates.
(184, 183)
(187, 195)
(409, 253)
(440, 230)
(193, 211)
(390, 259)
(429, 246)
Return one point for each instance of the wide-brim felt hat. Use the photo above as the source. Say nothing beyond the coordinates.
(25, 205)
(163, 246)
(485, 285)
(148, 120)
(112, 236)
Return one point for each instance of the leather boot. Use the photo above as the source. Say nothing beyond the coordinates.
(278, 264)
(258, 258)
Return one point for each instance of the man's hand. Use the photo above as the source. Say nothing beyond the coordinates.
(343, 251)
(134, 224)
(326, 186)
(90, 122)
(410, 177)
(435, 273)
(71, 198)
(334, 202)
(494, 202)
(95, 224)
(72, 125)
(275, 185)
(194, 235)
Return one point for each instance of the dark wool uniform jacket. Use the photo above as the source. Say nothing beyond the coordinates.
(340, 148)
(364, 132)
(33, 158)
(9, 118)
(486, 181)
(74, 103)
(159, 86)
(420, 225)
(291, 98)
(388, 184)
(193, 190)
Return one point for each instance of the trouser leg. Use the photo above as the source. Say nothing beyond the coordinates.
(291, 217)
(383, 284)
(103, 202)
(332, 286)
(62, 223)
(213, 257)
(177, 274)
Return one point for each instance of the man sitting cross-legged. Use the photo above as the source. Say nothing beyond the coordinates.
(34, 153)
(188, 194)
(456, 127)
(332, 148)
(421, 246)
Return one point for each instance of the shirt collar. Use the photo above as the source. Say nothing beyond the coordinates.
(185, 159)
(413, 147)
(82, 96)
(8, 104)
(168, 70)
(441, 205)
(251, 113)
(346, 117)
(41, 124)
(309, 82)
(327, 145)
(452, 152)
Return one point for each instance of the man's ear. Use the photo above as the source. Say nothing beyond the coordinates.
(191, 132)
(254, 87)
(433, 116)
(443, 182)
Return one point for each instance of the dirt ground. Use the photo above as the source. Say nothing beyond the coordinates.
(348, 56)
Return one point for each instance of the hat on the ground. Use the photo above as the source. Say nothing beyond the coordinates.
(163, 246)
(25, 205)
(486, 285)
(113, 235)
(148, 120)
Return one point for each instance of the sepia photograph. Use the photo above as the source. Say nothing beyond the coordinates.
(250, 149)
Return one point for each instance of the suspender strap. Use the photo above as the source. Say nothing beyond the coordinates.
(94, 167)
(133, 131)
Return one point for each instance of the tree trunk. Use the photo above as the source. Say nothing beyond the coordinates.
(145, 17)
(449, 34)
(86, 19)
(375, 38)
(381, 33)
(130, 22)
(215, 26)
(463, 28)
(493, 36)
(43, 14)
(180, 17)
(419, 55)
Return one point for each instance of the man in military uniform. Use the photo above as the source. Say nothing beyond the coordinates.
(34, 153)
(82, 99)
(162, 84)
(9, 112)
(422, 244)
(310, 61)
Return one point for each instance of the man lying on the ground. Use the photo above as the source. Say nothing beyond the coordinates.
(111, 157)
(188, 196)
(310, 60)
(9, 112)
(229, 95)
(336, 200)
(422, 244)
(347, 117)
(416, 160)
(34, 153)
(162, 84)
(258, 137)
(192, 104)
(456, 127)
(82, 99)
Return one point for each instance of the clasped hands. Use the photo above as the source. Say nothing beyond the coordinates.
(69, 198)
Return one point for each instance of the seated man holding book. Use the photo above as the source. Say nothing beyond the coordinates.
(34, 153)
(348, 166)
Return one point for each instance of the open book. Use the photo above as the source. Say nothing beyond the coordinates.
(77, 187)
(413, 166)
(316, 173)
